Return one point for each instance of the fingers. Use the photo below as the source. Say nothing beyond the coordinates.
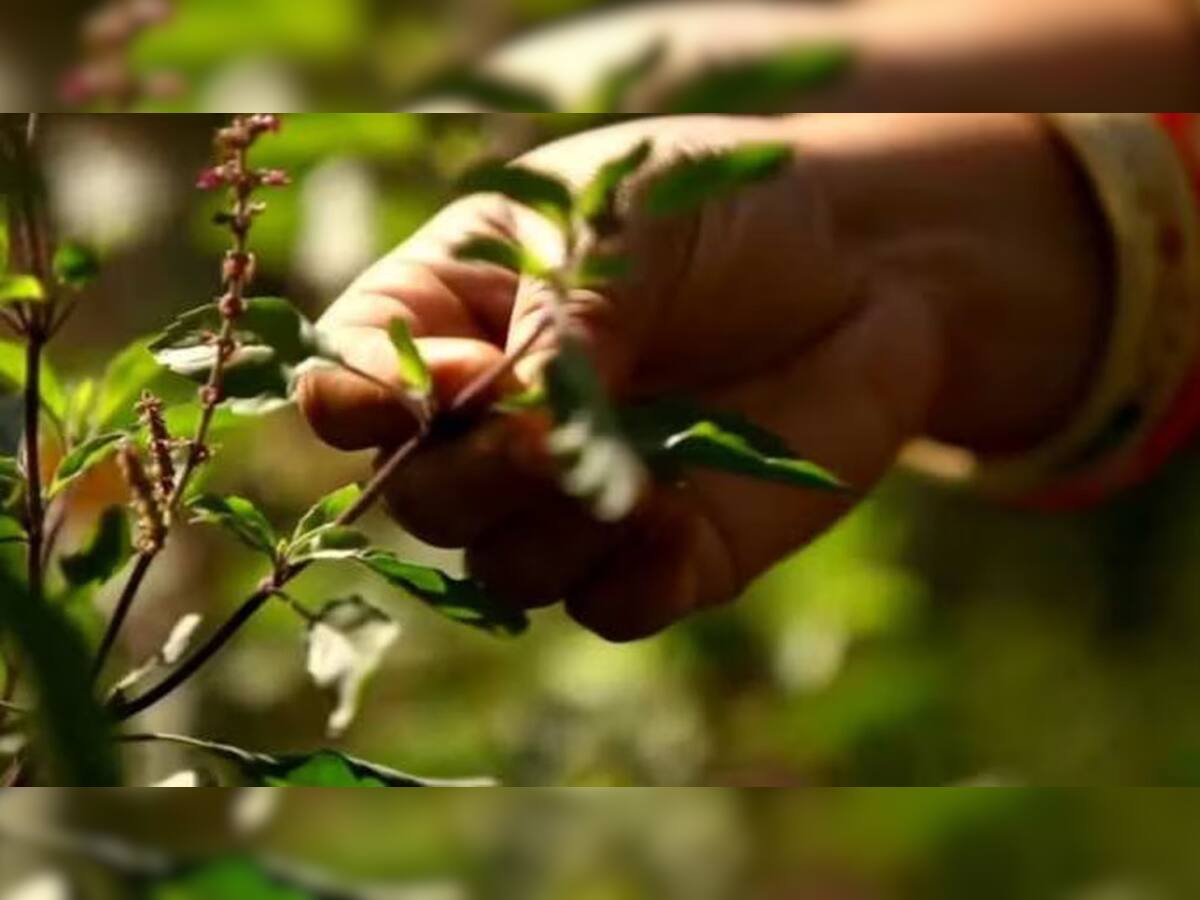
(453, 490)
(360, 408)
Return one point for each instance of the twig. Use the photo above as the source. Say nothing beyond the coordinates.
(121, 612)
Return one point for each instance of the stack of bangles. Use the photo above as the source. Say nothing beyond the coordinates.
(1143, 404)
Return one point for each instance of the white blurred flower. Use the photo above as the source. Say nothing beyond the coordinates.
(252, 85)
(42, 886)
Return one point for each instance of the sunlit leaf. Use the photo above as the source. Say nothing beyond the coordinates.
(768, 83)
(597, 464)
(537, 190)
(238, 516)
(75, 265)
(105, 551)
(274, 341)
(332, 542)
(413, 370)
(461, 600)
(130, 372)
(499, 252)
(327, 510)
(679, 433)
(169, 654)
(83, 459)
(690, 183)
(346, 644)
(616, 87)
(597, 200)
(21, 289)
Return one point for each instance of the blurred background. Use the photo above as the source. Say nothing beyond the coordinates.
(259, 54)
(652, 844)
(928, 640)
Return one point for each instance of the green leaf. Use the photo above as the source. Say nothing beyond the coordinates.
(600, 271)
(767, 84)
(11, 473)
(227, 878)
(679, 433)
(327, 510)
(612, 94)
(274, 341)
(21, 289)
(320, 768)
(690, 183)
(461, 600)
(75, 265)
(499, 252)
(346, 644)
(104, 552)
(238, 516)
(332, 542)
(597, 200)
(132, 371)
(69, 722)
(597, 463)
(12, 378)
(416, 375)
(537, 190)
(491, 92)
(83, 459)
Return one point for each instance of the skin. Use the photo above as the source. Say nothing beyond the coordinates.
(908, 275)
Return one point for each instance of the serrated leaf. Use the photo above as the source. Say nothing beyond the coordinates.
(537, 190)
(274, 341)
(461, 600)
(75, 265)
(327, 510)
(21, 289)
(104, 552)
(507, 254)
(616, 86)
(238, 516)
(597, 464)
(768, 83)
(346, 644)
(416, 375)
(679, 433)
(690, 183)
(83, 459)
(492, 92)
(597, 200)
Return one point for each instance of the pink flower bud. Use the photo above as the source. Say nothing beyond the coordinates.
(164, 85)
(263, 123)
(274, 178)
(231, 306)
(151, 12)
(212, 179)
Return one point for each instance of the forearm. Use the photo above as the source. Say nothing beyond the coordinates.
(908, 54)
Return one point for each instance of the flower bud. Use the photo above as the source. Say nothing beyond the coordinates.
(263, 123)
(231, 306)
(213, 178)
(274, 178)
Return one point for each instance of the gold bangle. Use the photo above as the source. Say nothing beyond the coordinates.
(1143, 188)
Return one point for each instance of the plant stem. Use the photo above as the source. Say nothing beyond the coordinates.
(126, 709)
(35, 506)
(121, 611)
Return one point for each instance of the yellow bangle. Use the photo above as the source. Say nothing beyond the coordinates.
(1143, 188)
